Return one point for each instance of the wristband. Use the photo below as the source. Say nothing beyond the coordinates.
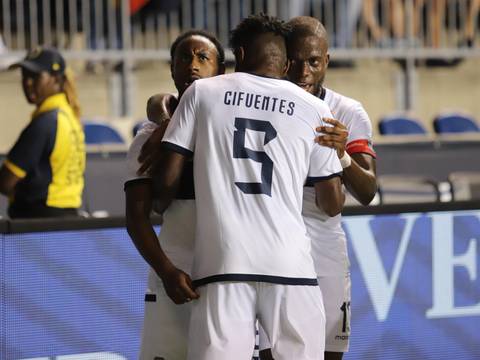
(345, 160)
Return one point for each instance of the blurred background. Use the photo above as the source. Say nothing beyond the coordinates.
(413, 60)
(73, 289)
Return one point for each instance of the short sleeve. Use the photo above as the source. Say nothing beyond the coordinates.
(35, 140)
(180, 133)
(324, 164)
(134, 151)
(360, 132)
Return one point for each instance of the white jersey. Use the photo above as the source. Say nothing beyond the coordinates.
(253, 144)
(329, 245)
(177, 234)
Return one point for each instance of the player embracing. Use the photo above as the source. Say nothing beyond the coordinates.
(252, 138)
(195, 54)
(351, 136)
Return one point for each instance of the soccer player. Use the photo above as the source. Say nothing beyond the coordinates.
(351, 136)
(194, 55)
(252, 138)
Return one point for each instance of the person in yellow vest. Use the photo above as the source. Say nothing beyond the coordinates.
(43, 174)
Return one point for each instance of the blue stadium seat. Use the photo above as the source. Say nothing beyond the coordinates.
(454, 123)
(400, 125)
(100, 133)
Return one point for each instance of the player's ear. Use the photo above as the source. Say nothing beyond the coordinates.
(221, 68)
(286, 67)
(327, 60)
(239, 56)
(171, 69)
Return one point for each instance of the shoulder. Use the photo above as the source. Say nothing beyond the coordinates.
(346, 109)
(135, 149)
(142, 136)
(214, 80)
(147, 129)
(319, 105)
(339, 101)
(42, 125)
(45, 120)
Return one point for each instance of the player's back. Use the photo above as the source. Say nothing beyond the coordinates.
(253, 149)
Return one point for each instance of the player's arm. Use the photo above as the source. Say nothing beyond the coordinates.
(360, 178)
(8, 181)
(329, 195)
(177, 145)
(25, 154)
(138, 207)
(178, 284)
(359, 168)
(160, 108)
(325, 175)
(166, 173)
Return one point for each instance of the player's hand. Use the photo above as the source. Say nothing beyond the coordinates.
(334, 136)
(160, 106)
(178, 285)
(150, 151)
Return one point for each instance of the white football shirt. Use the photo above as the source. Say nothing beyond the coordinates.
(329, 245)
(253, 144)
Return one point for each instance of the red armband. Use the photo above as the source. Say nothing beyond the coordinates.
(360, 146)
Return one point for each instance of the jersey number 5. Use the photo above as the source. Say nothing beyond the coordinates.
(241, 152)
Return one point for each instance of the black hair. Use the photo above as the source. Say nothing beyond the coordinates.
(255, 25)
(202, 33)
(303, 26)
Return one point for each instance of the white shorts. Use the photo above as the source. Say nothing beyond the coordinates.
(165, 325)
(336, 297)
(222, 324)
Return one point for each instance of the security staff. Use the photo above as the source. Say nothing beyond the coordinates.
(43, 174)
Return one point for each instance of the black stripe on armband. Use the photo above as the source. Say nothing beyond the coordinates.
(176, 148)
(150, 297)
(312, 180)
(138, 181)
(256, 278)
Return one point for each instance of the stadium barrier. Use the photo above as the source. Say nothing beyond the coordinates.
(433, 158)
(109, 29)
(73, 289)
(115, 31)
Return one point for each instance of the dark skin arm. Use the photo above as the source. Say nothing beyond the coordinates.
(177, 283)
(159, 109)
(360, 176)
(329, 196)
(8, 181)
(166, 172)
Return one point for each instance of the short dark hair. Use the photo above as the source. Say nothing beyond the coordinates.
(303, 26)
(202, 33)
(255, 25)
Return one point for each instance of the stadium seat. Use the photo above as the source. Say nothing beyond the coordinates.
(465, 185)
(404, 189)
(400, 125)
(454, 123)
(101, 133)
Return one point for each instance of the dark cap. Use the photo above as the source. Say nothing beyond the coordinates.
(42, 59)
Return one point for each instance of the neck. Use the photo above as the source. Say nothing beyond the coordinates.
(266, 71)
(321, 92)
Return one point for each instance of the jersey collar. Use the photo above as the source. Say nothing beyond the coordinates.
(52, 102)
(322, 93)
